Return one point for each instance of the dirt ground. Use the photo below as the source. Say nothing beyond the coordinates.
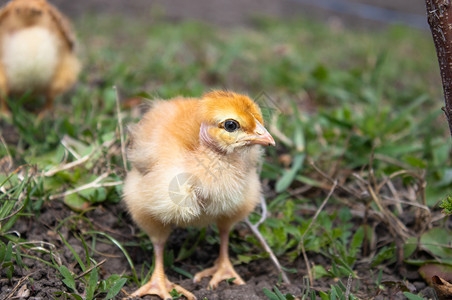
(43, 281)
(113, 221)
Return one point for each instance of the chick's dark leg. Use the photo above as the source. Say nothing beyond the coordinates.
(222, 269)
(159, 283)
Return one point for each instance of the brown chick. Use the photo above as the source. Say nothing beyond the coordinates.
(194, 163)
(36, 51)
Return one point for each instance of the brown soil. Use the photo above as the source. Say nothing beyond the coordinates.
(43, 281)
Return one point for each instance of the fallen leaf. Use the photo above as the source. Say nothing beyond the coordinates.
(442, 288)
(23, 292)
(428, 271)
(434, 243)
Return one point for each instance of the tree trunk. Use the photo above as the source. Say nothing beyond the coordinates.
(439, 14)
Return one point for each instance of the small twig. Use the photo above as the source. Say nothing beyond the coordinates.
(396, 196)
(35, 242)
(93, 184)
(276, 132)
(311, 280)
(121, 129)
(320, 208)
(320, 136)
(349, 286)
(17, 233)
(8, 154)
(438, 217)
(437, 245)
(90, 269)
(263, 213)
(393, 175)
(334, 181)
(306, 260)
(415, 204)
(18, 285)
(80, 160)
(392, 222)
(298, 191)
(65, 142)
(255, 229)
(392, 161)
(422, 187)
(41, 248)
(13, 213)
(69, 165)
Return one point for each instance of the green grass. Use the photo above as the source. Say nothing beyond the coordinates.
(359, 107)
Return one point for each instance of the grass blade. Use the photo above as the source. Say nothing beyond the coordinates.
(76, 256)
(124, 251)
(113, 291)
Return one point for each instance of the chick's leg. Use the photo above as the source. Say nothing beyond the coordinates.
(3, 93)
(159, 283)
(3, 106)
(222, 268)
(65, 76)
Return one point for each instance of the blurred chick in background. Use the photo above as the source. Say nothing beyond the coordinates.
(36, 51)
(194, 163)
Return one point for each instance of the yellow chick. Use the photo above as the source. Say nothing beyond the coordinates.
(36, 51)
(194, 163)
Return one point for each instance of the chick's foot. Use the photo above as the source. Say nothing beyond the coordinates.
(219, 272)
(161, 286)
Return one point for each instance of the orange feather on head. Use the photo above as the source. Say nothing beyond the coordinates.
(218, 104)
(220, 109)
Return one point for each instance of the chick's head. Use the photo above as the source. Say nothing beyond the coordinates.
(29, 10)
(232, 122)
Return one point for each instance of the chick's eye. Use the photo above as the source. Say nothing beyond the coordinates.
(231, 125)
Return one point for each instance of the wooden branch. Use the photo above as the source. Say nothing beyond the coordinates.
(439, 14)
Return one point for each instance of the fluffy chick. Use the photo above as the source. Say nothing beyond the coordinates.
(194, 163)
(36, 51)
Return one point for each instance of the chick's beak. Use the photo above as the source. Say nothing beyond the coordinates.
(260, 136)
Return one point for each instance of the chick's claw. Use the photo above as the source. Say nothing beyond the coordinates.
(161, 287)
(219, 272)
